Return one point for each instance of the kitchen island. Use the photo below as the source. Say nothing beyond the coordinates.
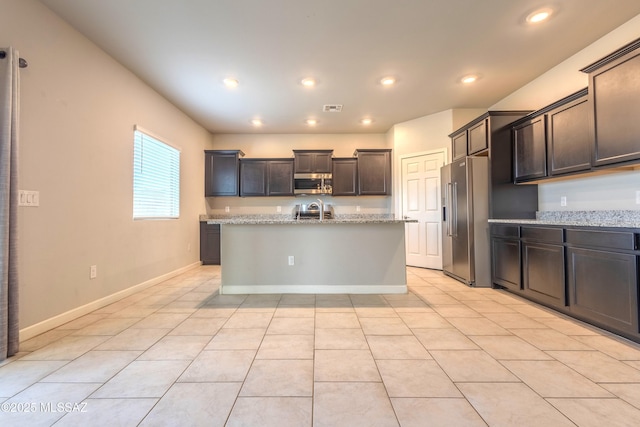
(361, 254)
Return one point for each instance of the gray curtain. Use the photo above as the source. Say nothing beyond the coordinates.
(9, 97)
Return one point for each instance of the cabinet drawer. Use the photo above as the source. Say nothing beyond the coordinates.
(502, 230)
(548, 235)
(603, 239)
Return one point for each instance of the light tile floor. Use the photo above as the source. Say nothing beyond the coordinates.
(180, 354)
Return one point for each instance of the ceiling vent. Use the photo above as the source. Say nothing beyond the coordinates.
(332, 108)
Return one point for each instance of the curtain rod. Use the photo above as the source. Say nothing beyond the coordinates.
(22, 63)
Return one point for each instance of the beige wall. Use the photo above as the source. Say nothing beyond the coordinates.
(282, 145)
(423, 134)
(78, 109)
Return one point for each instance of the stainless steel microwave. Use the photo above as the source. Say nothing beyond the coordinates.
(312, 183)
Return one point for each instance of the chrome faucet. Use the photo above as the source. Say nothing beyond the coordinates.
(321, 206)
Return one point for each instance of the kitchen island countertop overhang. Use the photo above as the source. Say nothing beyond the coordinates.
(358, 254)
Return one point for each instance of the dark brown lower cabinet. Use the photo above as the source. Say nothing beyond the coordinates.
(603, 287)
(543, 273)
(210, 243)
(505, 264)
(543, 265)
(590, 273)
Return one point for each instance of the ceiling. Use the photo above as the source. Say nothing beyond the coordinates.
(185, 48)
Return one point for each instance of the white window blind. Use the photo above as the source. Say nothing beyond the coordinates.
(156, 178)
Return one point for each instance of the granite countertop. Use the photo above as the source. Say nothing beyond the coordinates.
(287, 219)
(615, 219)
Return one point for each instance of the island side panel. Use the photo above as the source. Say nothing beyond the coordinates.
(328, 258)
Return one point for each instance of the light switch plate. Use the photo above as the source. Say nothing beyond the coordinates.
(28, 198)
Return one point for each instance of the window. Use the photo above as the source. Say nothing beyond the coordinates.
(156, 177)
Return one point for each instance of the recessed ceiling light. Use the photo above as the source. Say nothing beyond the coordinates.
(469, 79)
(308, 82)
(539, 16)
(230, 82)
(311, 122)
(388, 81)
(366, 121)
(256, 122)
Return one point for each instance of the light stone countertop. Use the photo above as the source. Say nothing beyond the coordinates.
(266, 219)
(613, 219)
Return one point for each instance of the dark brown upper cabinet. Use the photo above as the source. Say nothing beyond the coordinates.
(459, 145)
(374, 172)
(312, 161)
(345, 176)
(470, 141)
(555, 140)
(614, 82)
(569, 135)
(280, 177)
(253, 177)
(221, 172)
(477, 138)
(530, 149)
(266, 177)
(490, 135)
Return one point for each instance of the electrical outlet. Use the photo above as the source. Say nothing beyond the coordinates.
(188, 247)
(226, 209)
(93, 272)
(357, 208)
(292, 260)
(638, 197)
(278, 209)
(563, 201)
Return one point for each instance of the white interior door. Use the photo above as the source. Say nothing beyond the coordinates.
(421, 200)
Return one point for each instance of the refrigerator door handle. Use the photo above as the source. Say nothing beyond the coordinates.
(448, 203)
(454, 205)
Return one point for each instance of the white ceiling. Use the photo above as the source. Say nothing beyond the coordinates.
(185, 48)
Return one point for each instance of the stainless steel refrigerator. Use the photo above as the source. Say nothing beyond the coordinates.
(465, 228)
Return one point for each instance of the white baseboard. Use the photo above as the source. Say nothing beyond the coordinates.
(313, 289)
(61, 319)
